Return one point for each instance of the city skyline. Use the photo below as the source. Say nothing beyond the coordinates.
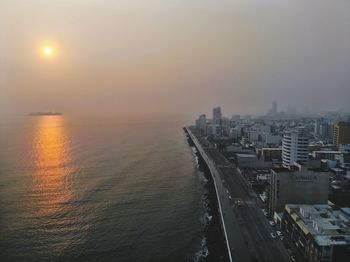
(283, 163)
(176, 130)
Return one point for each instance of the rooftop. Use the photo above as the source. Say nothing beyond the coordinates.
(293, 169)
(343, 123)
(272, 148)
(327, 152)
(246, 155)
(327, 226)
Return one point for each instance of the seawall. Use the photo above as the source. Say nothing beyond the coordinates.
(209, 163)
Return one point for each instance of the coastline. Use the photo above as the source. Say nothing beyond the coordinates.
(213, 232)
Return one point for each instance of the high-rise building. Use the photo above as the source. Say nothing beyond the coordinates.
(273, 110)
(201, 123)
(326, 131)
(274, 107)
(295, 147)
(317, 125)
(323, 129)
(341, 133)
(217, 115)
(297, 185)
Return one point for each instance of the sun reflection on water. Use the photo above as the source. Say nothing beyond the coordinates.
(51, 178)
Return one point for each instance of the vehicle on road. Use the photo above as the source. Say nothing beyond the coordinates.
(239, 203)
(273, 235)
(272, 223)
(279, 233)
(265, 212)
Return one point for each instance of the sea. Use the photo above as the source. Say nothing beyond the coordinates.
(101, 189)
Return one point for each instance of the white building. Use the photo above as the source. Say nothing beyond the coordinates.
(295, 147)
(270, 139)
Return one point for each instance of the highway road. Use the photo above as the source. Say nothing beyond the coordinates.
(247, 230)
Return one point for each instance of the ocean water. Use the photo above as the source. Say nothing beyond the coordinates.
(74, 189)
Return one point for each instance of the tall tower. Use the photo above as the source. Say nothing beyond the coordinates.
(217, 115)
(317, 127)
(295, 147)
(274, 107)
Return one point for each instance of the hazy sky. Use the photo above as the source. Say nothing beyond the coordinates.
(171, 56)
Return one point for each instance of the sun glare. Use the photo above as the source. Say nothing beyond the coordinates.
(48, 51)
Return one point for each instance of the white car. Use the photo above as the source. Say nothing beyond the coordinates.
(273, 235)
(239, 203)
(279, 233)
(272, 223)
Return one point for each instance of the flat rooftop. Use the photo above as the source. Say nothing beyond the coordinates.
(246, 155)
(327, 226)
(327, 152)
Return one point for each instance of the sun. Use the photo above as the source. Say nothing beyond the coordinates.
(48, 51)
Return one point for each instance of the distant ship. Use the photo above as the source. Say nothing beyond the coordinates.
(45, 114)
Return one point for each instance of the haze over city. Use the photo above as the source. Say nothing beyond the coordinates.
(175, 130)
(173, 57)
